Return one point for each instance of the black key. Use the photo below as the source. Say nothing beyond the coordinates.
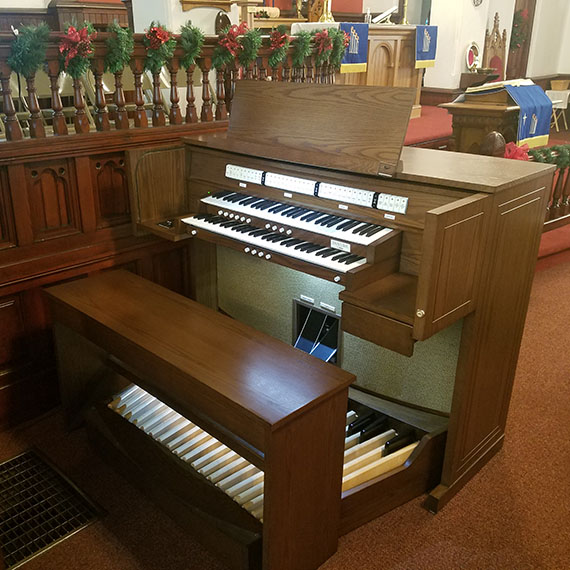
(324, 221)
(401, 439)
(288, 210)
(313, 248)
(276, 237)
(327, 250)
(258, 231)
(230, 223)
(362, 231)
(303, 246)
(374, 230)
(352, 257)
(340, 256)
(222, 193)
(312, 216)
(292, 212)
(247, 228)
(236, 197)
(358, 229)
(350, 225)
(334, 222)
(364, 418)
(292, 242)
(332, 252)
(227, 197)
(250, 200)
(201, 216)
(376, 427)
(263, 205)
(279, 208)
(300, 213)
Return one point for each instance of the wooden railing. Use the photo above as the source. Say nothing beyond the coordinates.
(90, 107)
(558, 210)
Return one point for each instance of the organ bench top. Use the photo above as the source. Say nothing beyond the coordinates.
(217, 363)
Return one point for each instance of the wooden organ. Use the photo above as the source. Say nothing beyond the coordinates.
(241, 436)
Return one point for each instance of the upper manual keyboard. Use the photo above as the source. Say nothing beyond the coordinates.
(336, 227)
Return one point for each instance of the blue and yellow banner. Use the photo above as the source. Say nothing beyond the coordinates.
(534, 115)
(356, 54)
(426, 44)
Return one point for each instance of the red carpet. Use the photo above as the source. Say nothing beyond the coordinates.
(434, 123)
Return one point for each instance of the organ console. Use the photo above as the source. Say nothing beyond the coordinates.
(263, 451)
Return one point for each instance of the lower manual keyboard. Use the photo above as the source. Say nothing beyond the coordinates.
(269, 241)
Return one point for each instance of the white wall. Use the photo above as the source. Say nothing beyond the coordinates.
(550, 44)
(171, 15)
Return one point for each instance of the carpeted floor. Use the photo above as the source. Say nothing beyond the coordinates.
(515, 514)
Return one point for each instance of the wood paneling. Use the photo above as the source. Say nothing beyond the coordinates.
(7, 226)
(52, 195)
(110, 189)
(62, 217)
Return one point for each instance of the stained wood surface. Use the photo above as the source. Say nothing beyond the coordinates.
(215, 360)
(333, 126)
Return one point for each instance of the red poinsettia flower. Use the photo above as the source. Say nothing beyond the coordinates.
(516, 152)
(323, 41)
(230, 39)
(76, 42)
(277, 40)
(157, 36)
(524, 14)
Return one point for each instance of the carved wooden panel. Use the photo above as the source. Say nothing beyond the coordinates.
(7, 229)
(110, 188)
(380, 63)
(52, 195)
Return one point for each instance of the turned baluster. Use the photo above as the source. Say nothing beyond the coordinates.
(249, 72)
(286, 70)
(58, 118)
(318, 74)
(158, 115)
(221, 111)
(206, 114)
(101, 114)
(555, 210)
(36, 122)
(175, 115)
(13, 128)
(80, 120)
(140, 118)
(566, 194)
(121, 117)
(263, 65)
(191, 115)
(309, 75)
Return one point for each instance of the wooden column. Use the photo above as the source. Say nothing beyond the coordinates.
(137, 67)
(80, 120)
(58, 118)
(206, 113)
(101, 114)
(36, 122)
(191, 115)
(121, 118)
(175, 115)
(158, 116)
(221, 111)
(13, 128)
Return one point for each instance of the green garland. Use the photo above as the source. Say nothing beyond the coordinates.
(160, 45)
(301, 48)
(29, 49)
(279, 46)
(119, 48)
(519, 32)
(338, 47)
(76, 49)
(322, 46)
(537, 155)
(191, 41)
(250, 44)
(562, 159)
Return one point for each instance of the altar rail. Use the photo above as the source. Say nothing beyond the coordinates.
(558, 210)
(90, 108)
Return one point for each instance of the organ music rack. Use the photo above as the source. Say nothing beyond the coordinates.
(462, 243)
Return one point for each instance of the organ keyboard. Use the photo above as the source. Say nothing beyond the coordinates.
(246, 436)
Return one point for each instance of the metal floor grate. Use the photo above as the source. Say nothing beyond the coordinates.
(39, 507)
